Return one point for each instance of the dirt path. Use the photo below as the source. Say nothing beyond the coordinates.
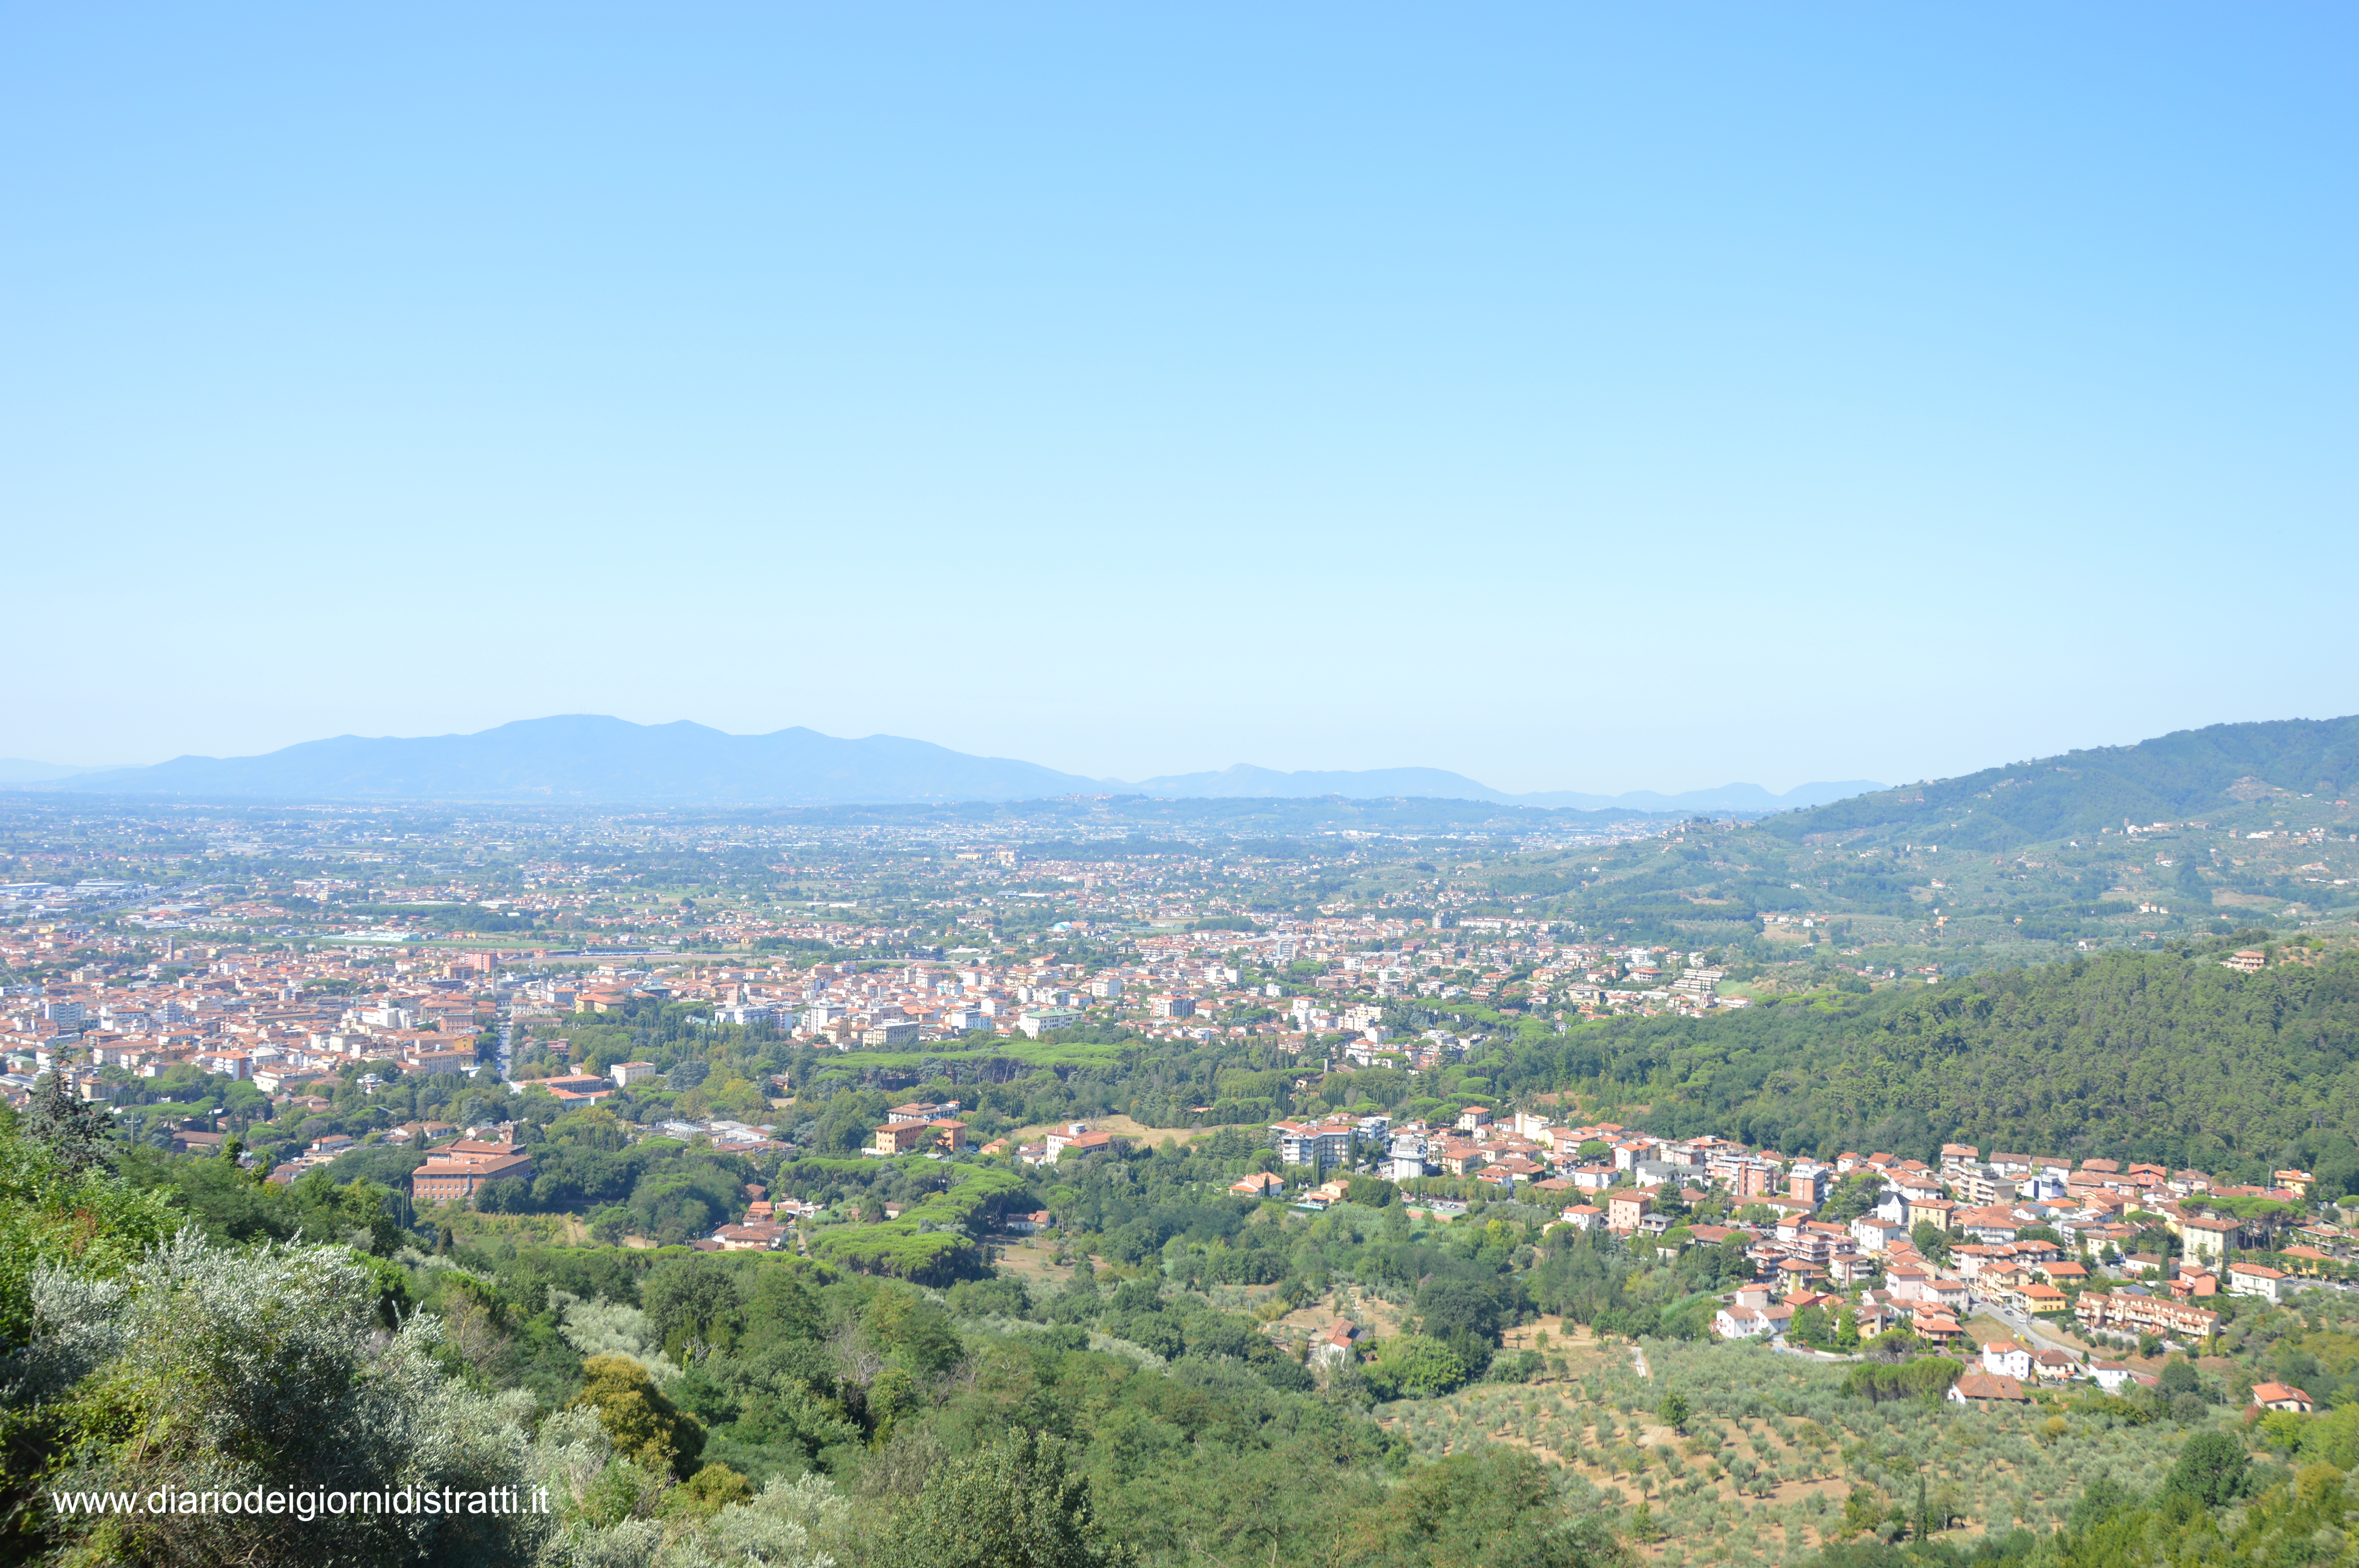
(1138, 1132)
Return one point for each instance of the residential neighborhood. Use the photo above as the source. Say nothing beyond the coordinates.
(261, 1003)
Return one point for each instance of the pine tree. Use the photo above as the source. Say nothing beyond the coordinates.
(77, 1135)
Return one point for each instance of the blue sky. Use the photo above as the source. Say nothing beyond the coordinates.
(1576, 398)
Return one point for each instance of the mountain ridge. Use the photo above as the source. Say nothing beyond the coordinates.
(2169, 778)
(592, 758)
(587, 758)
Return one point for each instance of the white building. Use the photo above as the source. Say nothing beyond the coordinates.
(2005, 1358)
(1315, 1143)
(1876, 1233)
(1405, 1161)
(1752, 1322)
(1038, 1021)
(2259, 1280)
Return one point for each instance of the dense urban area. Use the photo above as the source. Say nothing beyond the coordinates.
(1237, 1182)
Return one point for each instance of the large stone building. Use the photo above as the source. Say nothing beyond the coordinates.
(457, 1172)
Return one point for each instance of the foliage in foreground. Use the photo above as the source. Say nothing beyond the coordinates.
(707, 1412)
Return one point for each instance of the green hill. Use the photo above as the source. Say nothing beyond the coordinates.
(2186, 774)
(2166, 1056)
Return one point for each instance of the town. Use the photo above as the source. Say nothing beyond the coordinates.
(253, 1039)
(1300, 1096)
(1180, 787)
(1863, 1245)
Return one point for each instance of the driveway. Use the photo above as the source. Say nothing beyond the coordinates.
(2023, 1324)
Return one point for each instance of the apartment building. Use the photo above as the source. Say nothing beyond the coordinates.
(2120, 1311)
(457, 1172)
(1318, 1145)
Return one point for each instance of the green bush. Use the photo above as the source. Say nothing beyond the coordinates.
(1927, 1378)
(1415, 1366)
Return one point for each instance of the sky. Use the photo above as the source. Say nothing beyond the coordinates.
(1575, 397)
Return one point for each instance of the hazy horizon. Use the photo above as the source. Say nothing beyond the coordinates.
(14, 769)
(1775, 786)
(1573, 399)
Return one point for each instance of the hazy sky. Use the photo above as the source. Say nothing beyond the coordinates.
(1609, 398)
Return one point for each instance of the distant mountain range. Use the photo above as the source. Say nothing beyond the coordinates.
(2186, 774)
(1244, 780)
(587, 758)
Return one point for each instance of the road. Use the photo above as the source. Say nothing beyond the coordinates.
(1784, 1347)
(2023, 1324)
(507, 1031)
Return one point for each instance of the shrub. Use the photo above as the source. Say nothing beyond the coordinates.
(1013, 1502)
(207, 1369)
(2210, 1469)
(1927, 1378)
(1415, 1366)
(645, 1426)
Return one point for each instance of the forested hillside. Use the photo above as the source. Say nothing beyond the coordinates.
(2162, 1056)
(748, 1411)
(2185, 773)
